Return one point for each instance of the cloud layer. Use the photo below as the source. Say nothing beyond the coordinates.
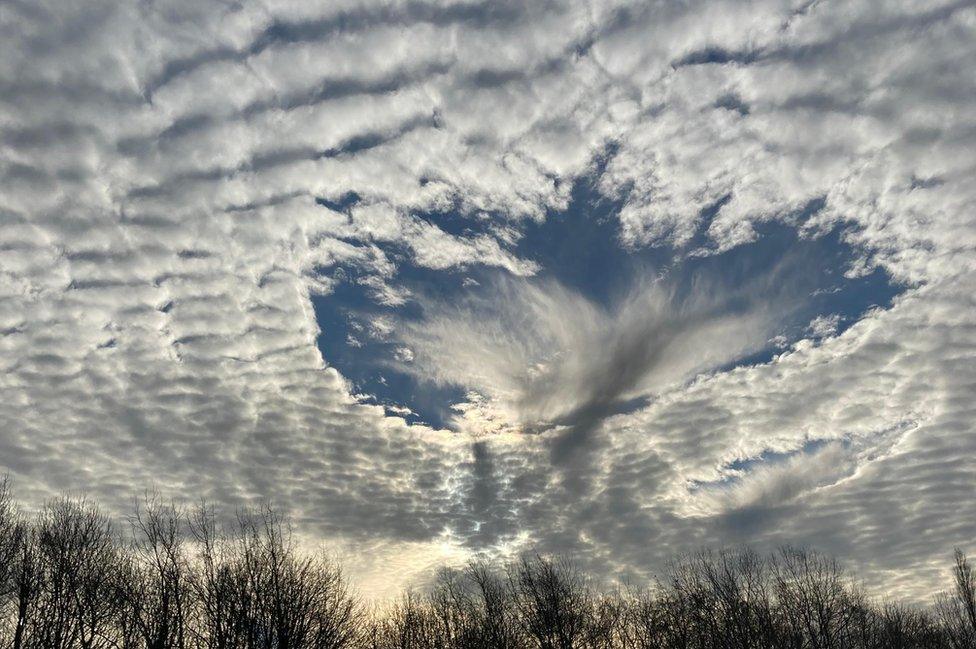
(180, 179)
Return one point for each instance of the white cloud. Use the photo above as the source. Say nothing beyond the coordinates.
(824, 325)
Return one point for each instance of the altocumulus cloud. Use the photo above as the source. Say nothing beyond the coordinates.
(183, 182)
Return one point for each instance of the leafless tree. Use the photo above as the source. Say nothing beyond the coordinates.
(724, 595)
(816, 600)
(900, 627)
(644, 624)
(495, 609)
(76, 570)
(552, 601)
(26, 579)
(11, 531)
(475, 609)
(257, 591)
(957, 610)
(159, 606)
(411, 623)
(607, 616)
(183, 581)
(468, 608)
(211, 584)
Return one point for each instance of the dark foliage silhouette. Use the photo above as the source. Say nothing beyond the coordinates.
(180, 579)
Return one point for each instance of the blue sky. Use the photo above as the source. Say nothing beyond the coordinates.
(581, 249)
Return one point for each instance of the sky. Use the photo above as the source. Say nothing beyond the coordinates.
(612, 280)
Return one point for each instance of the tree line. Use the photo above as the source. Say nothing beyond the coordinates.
(177, 579)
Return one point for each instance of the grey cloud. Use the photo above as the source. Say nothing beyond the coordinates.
(282, 33)
(853, 34)
(328, 89)
(271, 159)
(486, 518)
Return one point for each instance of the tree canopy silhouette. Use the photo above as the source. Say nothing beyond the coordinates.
(176, 578)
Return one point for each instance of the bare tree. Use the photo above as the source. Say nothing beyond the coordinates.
(26, 580)
(606, 619)
(157, 580)
(474, 609)
(957, 611)
(256, 590)
(76, 571)
(901, 627)
(644, 624)
(815, 599)
(298, 601)
(552, 601)
(727, 595)
(495, 611)
(411, 623)
(11, 531)
(212, 585)
(181, 581)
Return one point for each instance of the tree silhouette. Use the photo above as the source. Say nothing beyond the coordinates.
(183, 579)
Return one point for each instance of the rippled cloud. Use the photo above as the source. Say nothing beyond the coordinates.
(610, 279)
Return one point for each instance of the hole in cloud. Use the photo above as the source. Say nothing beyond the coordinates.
(752, 493)
(736, 472)
(599, 329)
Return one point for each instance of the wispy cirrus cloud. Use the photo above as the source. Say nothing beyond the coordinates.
(541, 356)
